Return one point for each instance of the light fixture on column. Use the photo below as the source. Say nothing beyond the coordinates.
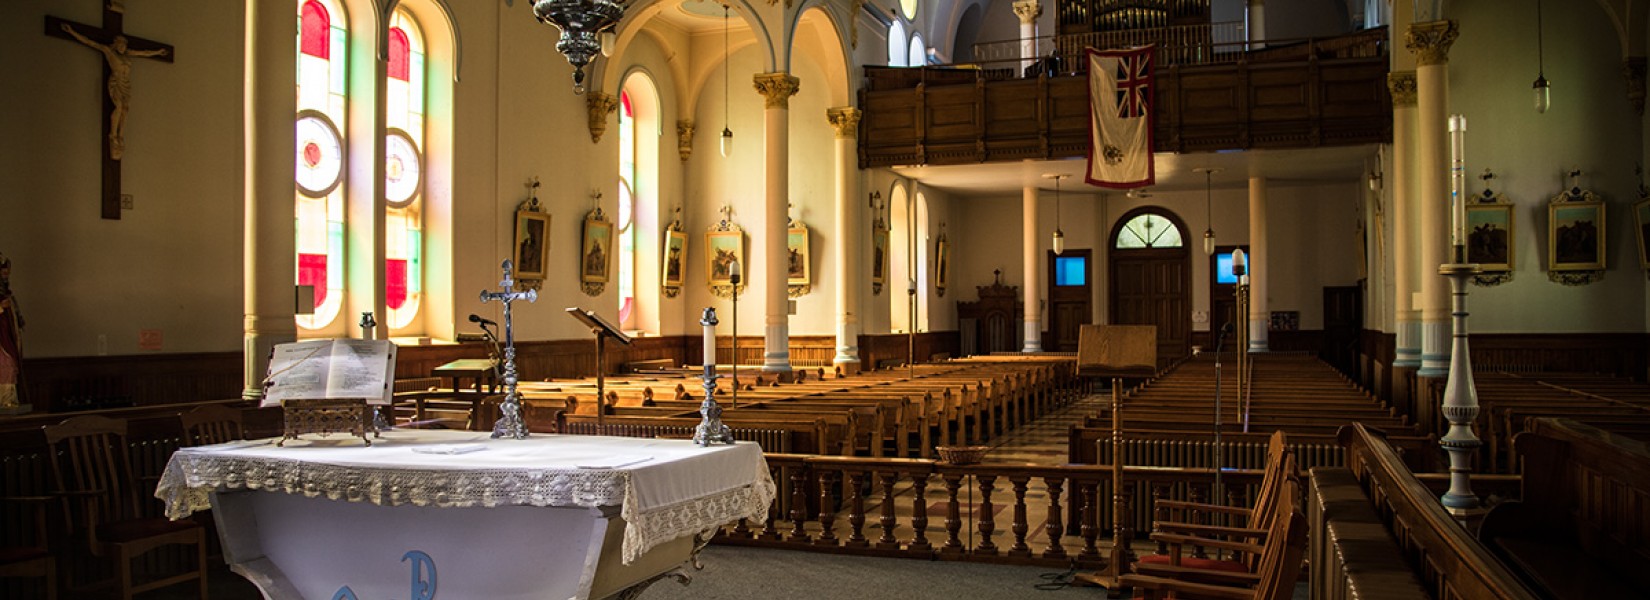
(583, 24)
(727, 68)
(1059, 236)
(1542, 97)
(1208, 208)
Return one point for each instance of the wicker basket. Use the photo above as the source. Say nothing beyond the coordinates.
(962, 455)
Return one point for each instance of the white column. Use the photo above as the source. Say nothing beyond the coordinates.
(1430, 42)
(1401, 177)
(846, 249)
(1033, 291)
(1259, 313)
(1028, 11)
(269, 248)
(1257, 24)
(777, 88)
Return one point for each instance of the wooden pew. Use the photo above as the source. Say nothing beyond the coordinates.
(1582, 529)
(1351, 554)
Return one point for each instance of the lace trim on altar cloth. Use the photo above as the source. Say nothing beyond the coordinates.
(187, 485)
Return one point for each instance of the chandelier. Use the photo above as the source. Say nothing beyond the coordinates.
(583, 25)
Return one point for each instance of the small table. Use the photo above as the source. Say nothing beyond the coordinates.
(550, 516)
(478, 369)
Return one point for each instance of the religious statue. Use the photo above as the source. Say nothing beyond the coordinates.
(11, 328)
(119, 58)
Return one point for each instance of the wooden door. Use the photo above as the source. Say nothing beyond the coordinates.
(1070, 288)
(1150, 287)
(1223, 299)
(1343, 320)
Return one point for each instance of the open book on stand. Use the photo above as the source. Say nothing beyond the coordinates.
(332, 369)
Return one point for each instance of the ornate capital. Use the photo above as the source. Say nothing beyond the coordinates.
(1402, 86)
(1028, 10)
(600, 105)
(684, 138)
(777, 88)
(1430, 41)
(1632, 69)
(846, 121)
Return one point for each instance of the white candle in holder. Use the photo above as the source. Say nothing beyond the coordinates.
(1457, 183)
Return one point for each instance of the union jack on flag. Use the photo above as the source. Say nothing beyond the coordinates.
(1120, 118)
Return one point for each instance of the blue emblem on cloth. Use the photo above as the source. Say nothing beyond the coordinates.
(422, 586)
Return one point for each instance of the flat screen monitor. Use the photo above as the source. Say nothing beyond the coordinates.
(1071, 270)
(1223, 269)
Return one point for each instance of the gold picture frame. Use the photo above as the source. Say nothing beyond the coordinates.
(1491, 238)
(722, 249)
(596, 251)
(797, 258)
(532, 244)
(674, 261)
(1575, 236)
(942, 265)
(1641, 218)
(879, 257)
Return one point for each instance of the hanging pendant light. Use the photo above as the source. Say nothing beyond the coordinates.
(586, 27)
(727, 67)
(1208, 208)
(1543, 97)
(1059, 236)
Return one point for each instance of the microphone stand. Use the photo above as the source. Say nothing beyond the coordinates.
(492, 354)
(1215, 494)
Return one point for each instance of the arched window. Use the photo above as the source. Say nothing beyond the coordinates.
(638, 214)
(404, 172)
(896, 45)
(918, 55)
(627, 212)
(924, 279)
(322, 92)
(1149, 230)
(899, 259)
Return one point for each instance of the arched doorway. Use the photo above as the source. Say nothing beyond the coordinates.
(1151, 278)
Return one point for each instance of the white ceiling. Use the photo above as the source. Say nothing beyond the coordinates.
(696, 16)
(1174, 171)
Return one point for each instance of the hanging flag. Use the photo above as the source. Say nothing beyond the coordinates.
(1120, 118)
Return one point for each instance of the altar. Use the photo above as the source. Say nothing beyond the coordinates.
(429, 514)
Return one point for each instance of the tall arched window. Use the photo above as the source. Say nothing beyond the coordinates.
(918, 55)
(627, 212)
(638, 218)
(404, 172)
(322, 92)
(896, 44)
(899, 259)
(924, 280)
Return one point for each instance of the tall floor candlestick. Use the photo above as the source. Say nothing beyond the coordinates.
(1460, 395)
(1457, 187)
(711, 430)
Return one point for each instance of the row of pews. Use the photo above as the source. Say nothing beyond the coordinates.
(1507, 401)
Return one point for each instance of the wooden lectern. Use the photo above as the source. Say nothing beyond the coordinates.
(602, 329)
(1116, 351)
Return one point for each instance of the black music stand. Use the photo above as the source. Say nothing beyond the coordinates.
(602, 330)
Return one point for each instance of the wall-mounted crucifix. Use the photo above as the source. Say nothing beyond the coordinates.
(118, 50)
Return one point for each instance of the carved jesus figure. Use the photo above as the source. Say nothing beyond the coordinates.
(119, 57)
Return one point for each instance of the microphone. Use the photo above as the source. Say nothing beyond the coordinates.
(474, 318)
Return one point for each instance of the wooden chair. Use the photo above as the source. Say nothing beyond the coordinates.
(31, 559)
(211, 424)
(1280, 565)
(94, 478)
(1254, 522)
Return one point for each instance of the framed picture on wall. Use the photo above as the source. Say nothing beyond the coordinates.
(675, 258)
(596, 251)
(1575, 236)
(1641, 218)
(532, 244)
(1490, 238)
(724, 252)
(942, 265)
(879, 256)
(797, 271)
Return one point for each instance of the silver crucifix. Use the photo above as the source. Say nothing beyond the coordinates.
(509, 422)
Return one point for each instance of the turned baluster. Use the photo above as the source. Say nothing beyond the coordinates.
(919, 513)
(1195, 494)
(856, 511)
(742, 530)
(888, 541)
(799, 504)
(1236, 495)
(1159, 513)
(1124, 531)
(769, 531)
(1090, 529)
(827, 517)
(1020, 527)
(1055, 528)
(953, 517)
(983, 512)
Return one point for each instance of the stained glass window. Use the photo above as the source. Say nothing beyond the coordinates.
(1149, 231)
(627, 212)
(319, 163)
(404, 172)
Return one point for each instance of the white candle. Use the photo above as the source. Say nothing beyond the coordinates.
(710, 339)
(1457, 183)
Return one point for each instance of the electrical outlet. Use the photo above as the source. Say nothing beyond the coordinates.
(126, 202)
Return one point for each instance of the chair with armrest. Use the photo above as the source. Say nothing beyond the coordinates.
(1249, 524)
(212, 424)
(93, 475)
(1279, 565)
(32, 557)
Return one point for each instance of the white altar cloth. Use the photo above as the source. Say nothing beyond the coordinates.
(666, 489)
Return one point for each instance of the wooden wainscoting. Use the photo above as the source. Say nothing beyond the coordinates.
(93, 382)
(889, 348)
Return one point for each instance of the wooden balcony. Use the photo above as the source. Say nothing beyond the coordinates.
(1292, 94)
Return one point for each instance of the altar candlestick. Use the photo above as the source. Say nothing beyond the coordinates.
(1457, 187)
(710, 347)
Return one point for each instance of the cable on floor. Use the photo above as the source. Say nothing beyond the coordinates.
(1055, 581)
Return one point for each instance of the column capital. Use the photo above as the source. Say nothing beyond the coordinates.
(1028, 10)
(845, 119)
(777, 88)
(1402, 86)
(600, 105)
(1430, 41)
(684, 138)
